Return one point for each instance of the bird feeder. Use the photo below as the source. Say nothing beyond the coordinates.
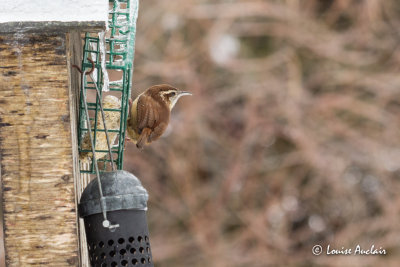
(44, 125)
(126, 242)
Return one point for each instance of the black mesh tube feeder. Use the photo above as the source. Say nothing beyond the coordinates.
(125, 202)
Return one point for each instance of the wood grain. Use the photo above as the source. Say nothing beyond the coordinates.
(74, 51)
(36, 151)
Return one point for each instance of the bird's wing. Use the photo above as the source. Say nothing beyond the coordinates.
(147, 113)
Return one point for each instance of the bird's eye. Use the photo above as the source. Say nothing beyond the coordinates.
(172, 94)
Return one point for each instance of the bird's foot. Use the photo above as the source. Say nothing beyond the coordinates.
(127, 139)
(140, 147)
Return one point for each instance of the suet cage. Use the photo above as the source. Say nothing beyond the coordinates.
(111, 51)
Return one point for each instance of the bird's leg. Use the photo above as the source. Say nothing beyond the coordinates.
(143, 138)
(130, 105)
(127, 139)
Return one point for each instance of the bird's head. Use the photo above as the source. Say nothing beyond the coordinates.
(168, 94)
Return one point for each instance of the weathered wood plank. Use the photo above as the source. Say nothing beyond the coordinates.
(36, 151)
(74, 51)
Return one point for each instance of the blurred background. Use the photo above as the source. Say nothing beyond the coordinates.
(290, 140)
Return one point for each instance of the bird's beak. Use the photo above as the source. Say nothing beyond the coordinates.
(182, 93)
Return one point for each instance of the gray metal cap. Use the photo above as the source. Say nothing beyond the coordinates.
(121, 190)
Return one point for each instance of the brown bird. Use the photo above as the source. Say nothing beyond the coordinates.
(149, 113)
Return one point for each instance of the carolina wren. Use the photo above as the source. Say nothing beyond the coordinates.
(149, 113)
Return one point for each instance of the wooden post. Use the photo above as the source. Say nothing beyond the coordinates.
(38, 151)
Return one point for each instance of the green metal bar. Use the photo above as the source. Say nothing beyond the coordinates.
(120, 51)
(107, 109)
(99, 150)
(101, 130)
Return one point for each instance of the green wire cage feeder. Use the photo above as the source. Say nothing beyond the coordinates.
(112, 53)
